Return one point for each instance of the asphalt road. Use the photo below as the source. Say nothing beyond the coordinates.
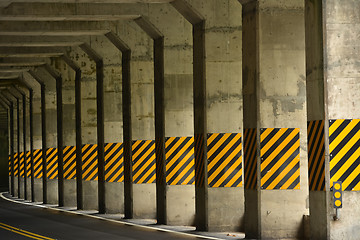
(19, 221)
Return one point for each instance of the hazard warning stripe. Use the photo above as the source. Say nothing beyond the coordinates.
(89, 160)
(28, 164)
(143, 152)
(224, 160)
(316, 155)
(280, 158)
(38, 166)
(179, 152)
(69, 158)
(344, 147)
(199, 165)
(52, 163)
(9, 165)
(16, 165)
(22, 170)
(250, 160)
(114, 162)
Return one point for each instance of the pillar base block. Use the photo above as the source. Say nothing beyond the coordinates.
(180, 205)
(144, 197)
(114, 197)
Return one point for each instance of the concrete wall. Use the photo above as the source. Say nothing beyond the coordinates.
(282, 102)
(342, 79)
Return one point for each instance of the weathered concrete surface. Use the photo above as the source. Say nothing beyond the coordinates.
(144, 200)
(22, 196)
(90, 195)
(223, 38)
(181, 205)
(16, 187)
(52, 191)
(223, 201)
(281, 101)
(38, 190)
(180, 201)
(114, 197)
(28, 188)
(69, 192)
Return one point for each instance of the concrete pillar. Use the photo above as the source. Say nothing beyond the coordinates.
(69, 130)
(276, 176)
(142, 115)
(178, 122)
(114, 173)
(332, 67)
(88, 124)
(37, 141)
(51, 137)
(223, 111)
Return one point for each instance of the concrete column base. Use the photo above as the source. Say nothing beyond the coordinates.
(22, 196)
(69, 192)
(10, 184)
(180, 205)
(114, 197)
(144, 197)
(52, 191)
(28, 189)
(90, 195)
(38, 190)
(16, 186)
(226, 209)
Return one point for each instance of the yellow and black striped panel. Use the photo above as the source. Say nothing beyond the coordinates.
(280, 158)
(69, 158)
(114, 162)
(179, 153)
(143, 155)
(16, 165)
(52, 163)
(344, 147)
(224, 159)
(9, 165)
(38, 166)
(199, 165)
(316, 155)
(21, 166)
(250, 158)
(28, 164)
(89, 162)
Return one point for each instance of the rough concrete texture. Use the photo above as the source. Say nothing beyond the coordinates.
(226, 209)
(282, 63)
(22, 196)
(318, 214)
(16, 187)
(144, 200)
(69, 192)
(342, 76)
(114, 197)
(28, 188)
(52, 191)
(180, 205)
(281, 99)
(223, 38)
(90, 195)
(347, 227)
(38, 191)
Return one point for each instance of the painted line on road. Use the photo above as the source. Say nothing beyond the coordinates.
(23, 232)
(111, 220)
